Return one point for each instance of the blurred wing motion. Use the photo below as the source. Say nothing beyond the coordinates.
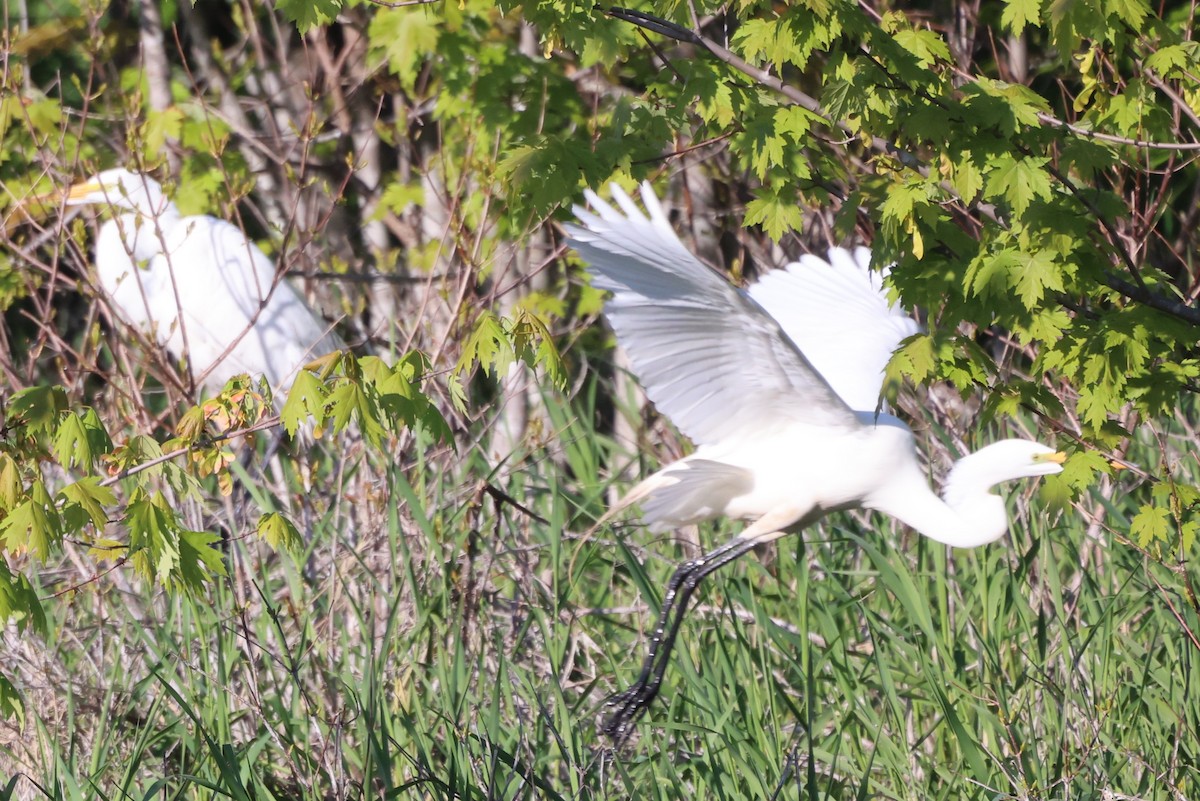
(837, 314)
(709, 357)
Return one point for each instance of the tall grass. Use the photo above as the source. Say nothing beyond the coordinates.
(443, 643)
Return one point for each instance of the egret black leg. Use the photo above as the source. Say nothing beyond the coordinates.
(629, 705)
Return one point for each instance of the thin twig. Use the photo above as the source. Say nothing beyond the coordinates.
(263, 425)
(1132, 291)
(501, 496)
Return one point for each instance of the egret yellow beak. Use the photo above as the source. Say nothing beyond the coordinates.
(57, 197)
(81, 189)
(1058, 457)
(33, 208)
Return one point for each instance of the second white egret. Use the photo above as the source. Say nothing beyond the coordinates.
(199, 286)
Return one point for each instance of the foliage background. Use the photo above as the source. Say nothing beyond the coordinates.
(445, 625)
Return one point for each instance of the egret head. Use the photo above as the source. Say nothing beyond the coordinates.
(1007, 460)
(120, 189)
(1023, 458)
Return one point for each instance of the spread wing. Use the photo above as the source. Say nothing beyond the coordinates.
(708, 355)
(837, 313)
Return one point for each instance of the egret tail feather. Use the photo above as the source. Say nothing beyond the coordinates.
(685, 493)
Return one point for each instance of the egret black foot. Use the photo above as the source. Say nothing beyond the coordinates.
(626, 708)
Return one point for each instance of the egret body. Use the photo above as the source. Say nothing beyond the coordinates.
(779, 388)
(198, 286)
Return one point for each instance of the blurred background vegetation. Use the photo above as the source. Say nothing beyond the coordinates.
(429, 615)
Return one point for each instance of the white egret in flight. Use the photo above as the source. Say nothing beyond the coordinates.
(778, 387)
(199, 286)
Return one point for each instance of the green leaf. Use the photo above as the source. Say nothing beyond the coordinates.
(1086, 158)
(1004, 106)
(45, 116)
(988, 274)
(777, 215)
(903, 198)
(1095, 402)
(1151, 524)
(1132, 12)
(37, 408)
(400, 397)
(307, 396)
(399, 197)
(1082, 468)
(198, 560)
(309, 14)
(964, 364)
(80, 439)
(1170, 59)
(488, 346)
(1187, 535)
(12, 705)
(547, 172)
(965, 177)
(403, 38)
(351, 402)
(153, 537)
(1037, 273)
(11, 487)
(458, 392)
(794, 122)
(908, 205)
(926, 45)
(1019, 13)
(769, 39)
(1019, 180)
(533, 344)
(763, 144)
(914, 359)
(845, 101)
(279, 532)
(84, 502)
(34, 524)
(161, 127)
(19, 602)
(715, 99)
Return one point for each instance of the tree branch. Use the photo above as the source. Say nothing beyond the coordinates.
(1139, 294)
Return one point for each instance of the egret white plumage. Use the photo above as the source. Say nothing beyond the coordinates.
(199, 286)
(778, 387)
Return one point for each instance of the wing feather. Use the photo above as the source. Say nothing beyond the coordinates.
(708, 355)
(837, 313)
